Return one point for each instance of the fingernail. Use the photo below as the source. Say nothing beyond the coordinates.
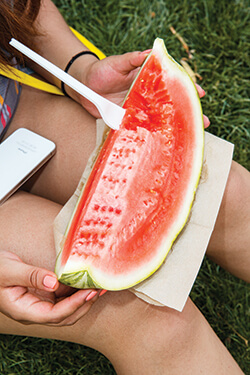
(200, 90)
(102, 292)
(206, 121)
(147, 51)
(202, 93)
(91, 295)
(49, 282)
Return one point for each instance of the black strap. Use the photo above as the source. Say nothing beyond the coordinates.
(71, 62)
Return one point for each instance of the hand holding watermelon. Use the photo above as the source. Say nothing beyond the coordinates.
(31, 294)
(111, 78)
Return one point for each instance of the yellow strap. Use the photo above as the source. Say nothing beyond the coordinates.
(88, 44)
(18, 75)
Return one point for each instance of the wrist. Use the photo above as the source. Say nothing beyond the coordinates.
(79, 67)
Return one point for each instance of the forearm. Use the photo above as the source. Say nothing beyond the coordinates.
(56, 42)
(110, 77)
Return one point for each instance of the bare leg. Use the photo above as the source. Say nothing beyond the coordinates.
(73, 130)
(230, 242)
(138, 338)
(151, 339)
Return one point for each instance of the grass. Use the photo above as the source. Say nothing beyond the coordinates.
(217, 33)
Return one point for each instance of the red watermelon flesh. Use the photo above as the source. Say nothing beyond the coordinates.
(140, 191)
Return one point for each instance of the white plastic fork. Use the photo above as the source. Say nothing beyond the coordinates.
(111, 113)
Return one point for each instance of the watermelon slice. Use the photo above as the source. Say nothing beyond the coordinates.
(139, 194)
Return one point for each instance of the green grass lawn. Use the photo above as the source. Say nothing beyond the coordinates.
(217, 35)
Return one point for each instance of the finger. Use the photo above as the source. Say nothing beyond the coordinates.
(200, 90)
(27, 308)
(80, 312)
(64, 291)
(129, 61)
(22, 274)
(102, 292)
(63, 311)
(206, 121)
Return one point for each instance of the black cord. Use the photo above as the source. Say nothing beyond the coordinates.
(71, 62)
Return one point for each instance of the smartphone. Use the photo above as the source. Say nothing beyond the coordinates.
(21, 155)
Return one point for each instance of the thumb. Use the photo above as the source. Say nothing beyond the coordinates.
(130, 61)
(22, 274)
(137, 58)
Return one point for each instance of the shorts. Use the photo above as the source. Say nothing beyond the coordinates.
(10, 92)
(9, 97)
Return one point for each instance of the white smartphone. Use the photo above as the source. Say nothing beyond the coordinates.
(21, 155)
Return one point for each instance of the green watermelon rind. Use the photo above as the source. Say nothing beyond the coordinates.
(73, 274)
(80, 280)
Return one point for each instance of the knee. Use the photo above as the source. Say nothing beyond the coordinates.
(152, 338)
(172, 334)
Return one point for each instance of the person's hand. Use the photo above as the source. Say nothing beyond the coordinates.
(112, 77)
(31, 294)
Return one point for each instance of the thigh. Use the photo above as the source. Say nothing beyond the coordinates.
(26, 223)
(72, 129)
(131, 333)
